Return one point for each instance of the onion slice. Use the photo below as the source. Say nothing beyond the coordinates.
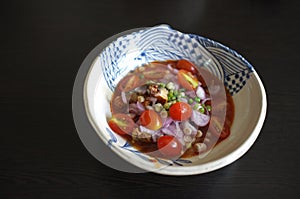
(167, 122)
(200, 119)
(123, 96)
(146, 130)
(200, 92)
(140, 106)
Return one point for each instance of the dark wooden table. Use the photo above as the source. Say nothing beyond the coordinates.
(43, 44)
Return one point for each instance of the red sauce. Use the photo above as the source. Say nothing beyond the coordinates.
(156, 71)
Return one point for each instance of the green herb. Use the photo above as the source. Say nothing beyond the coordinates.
(208, 107)
(167, 105)
(202, 109)
(175, 92)
(170, 86)
(197, 99)
(196, 106)
(190, 101)
(162, 85)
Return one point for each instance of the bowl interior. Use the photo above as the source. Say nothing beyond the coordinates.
(249, 99)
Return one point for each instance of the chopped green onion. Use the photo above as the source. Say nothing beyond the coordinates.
(141, 98)
(190, 101)
(188, 145)
(162, 85)
(158, 107)
(170, 86)
(202, 109)
(164, 113)
(175, 92)
(167, 105)
(197, 99)
(208, 107)
(174, 98)
(181, 90)
(199, 134)
(196, 106)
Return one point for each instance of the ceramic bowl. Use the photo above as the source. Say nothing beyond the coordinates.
(161, 43)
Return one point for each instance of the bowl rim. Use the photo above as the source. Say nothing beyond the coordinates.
(191, 169)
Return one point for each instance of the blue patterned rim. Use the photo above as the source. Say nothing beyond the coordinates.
(164, 43)
(161, 43)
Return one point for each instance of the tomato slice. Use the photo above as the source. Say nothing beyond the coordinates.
(186, 65)
(151, 120)
(180, 111)
(169, 146)
(121, 124)
(219, 130)
(187, 80)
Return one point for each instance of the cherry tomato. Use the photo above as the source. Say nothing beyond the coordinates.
(219, 130)
(180, 111)
(186, 65)
(169, 146)
(187, 79)
(121, 124)
(151, 120)
(128, 83)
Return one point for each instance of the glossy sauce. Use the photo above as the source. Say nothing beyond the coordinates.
(157, 70)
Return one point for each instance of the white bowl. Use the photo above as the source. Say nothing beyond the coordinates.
(164, 43)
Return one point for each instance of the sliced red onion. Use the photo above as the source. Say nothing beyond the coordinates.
(174, 130)
(156, 135)
(141, 89)
(140, 106)
(187, 125)
(146, 130)
(123, 96)
(133, 108)
(176, 83)
(191, 94)
(167, 122)
(205, 100)
(200, 119)
(183, 100)
(152, 99)
(200, 92)
(179, 132)
(168, 131)
(172, 127)
(149, 108)
(173, 70)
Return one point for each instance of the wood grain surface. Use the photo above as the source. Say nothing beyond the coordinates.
(42, 46)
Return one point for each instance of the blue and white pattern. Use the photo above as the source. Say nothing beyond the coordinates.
(236, 68)
(113, 141)
(161, 43)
